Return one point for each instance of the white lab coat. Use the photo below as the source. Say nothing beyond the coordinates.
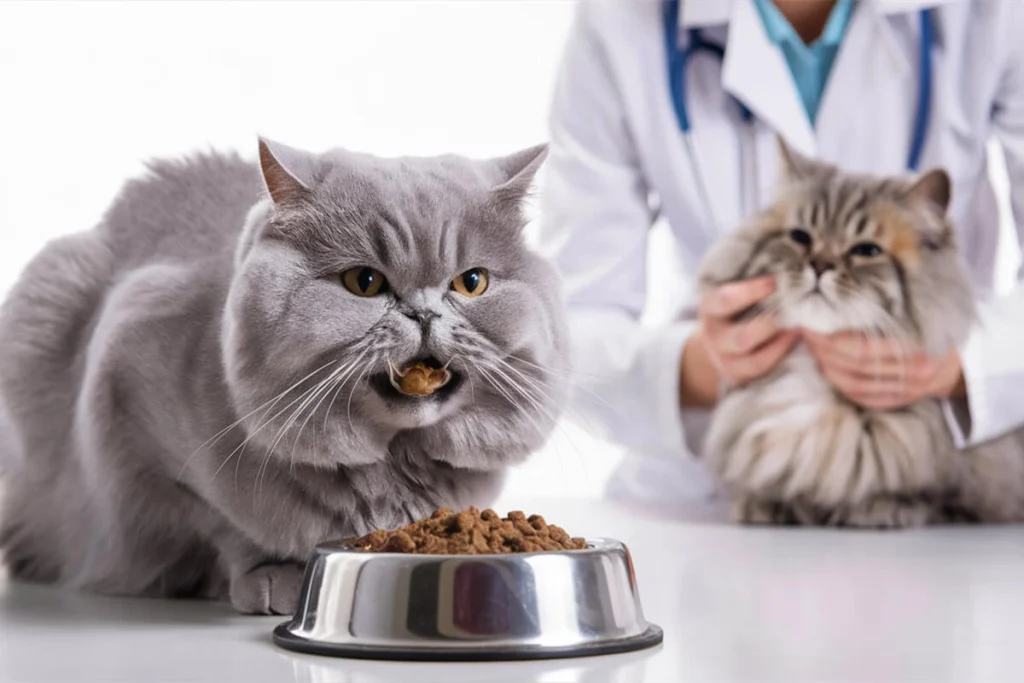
(618, 163)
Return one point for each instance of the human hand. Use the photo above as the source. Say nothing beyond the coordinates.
(723, 350)
(884, 374)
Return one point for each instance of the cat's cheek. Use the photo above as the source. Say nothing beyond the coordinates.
(512, 320)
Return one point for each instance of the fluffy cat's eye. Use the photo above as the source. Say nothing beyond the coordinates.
(865, 250)
(364, 281)
(472, 283)
(800, 236)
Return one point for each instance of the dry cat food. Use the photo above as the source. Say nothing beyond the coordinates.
(471, 532)
(422, 380)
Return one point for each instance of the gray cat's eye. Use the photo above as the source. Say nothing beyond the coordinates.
(472, 283)
(364, 281)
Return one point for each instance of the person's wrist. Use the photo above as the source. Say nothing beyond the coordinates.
(950, 382)
(698, 378)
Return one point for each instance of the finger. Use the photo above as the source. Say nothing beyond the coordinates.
(909, 370)
(882, 401)
(730, 299)
(761, 361)
(870, 392)
(859, 348)
(743, 338)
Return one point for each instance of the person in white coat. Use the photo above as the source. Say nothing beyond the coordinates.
(670, 110)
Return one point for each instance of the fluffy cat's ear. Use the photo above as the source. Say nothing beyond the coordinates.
(793, 165)
(276, 163)
(518, 171)
(935, 188)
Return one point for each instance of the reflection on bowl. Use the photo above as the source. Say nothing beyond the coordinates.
(469, 607)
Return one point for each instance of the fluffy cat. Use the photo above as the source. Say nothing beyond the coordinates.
(206, 385)
(869, 254)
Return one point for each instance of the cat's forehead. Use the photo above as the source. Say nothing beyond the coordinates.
(419, 217)
(843, 207)
(412, 184)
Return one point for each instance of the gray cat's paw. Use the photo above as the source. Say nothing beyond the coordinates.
(268, 589)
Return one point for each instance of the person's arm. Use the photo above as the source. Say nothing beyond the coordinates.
(595, 221)
(993, 365)
(639, 385)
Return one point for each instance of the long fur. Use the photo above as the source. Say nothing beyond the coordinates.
(788, 446)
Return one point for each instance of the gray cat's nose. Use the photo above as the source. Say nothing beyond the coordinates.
(820, 265)
(421, 315)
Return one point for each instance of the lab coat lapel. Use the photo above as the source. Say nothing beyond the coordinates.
(870, 95)
(756, 73)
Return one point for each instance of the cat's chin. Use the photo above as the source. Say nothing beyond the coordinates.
(400, 411)
(815, 314)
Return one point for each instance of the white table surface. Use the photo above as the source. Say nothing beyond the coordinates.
(736, 605)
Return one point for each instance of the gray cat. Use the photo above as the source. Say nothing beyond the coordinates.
(870, 254)
(210, 382)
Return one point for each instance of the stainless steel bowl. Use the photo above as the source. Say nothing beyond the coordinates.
(469, 607)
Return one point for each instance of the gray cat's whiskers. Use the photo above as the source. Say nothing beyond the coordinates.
(533, 400)
(543, 388)
(296, 414)
(263, 461)
(339, 382)
(341, 385)
(569, 375)
(261, 425)
(272, 402)
(348, 408)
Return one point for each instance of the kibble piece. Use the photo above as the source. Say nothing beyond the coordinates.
(400, 542)
(524, 528)
(422, 380)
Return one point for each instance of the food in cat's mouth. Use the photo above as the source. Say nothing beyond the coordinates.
(471, 532)
(420, 378)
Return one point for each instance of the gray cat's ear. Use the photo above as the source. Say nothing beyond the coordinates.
(793, 165)
(279, 165)
(518, 171)
(935, 188)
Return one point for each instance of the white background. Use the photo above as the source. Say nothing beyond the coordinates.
(90, 90)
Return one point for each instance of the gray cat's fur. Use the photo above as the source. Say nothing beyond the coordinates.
(138, 357)
(789, 447)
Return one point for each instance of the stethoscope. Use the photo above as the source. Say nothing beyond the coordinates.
(678, 59)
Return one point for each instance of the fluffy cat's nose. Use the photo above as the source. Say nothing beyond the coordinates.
(820, 265)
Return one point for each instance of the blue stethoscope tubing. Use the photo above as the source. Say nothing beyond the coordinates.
(678, 59)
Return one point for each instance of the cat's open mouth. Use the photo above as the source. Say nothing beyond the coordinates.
(416, 379)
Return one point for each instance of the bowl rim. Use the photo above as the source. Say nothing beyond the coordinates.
(594, 546)
(286, 638)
